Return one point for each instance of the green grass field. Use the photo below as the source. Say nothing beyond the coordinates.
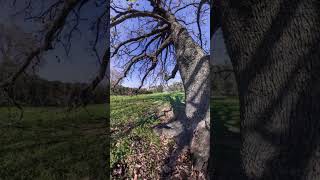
(132, 118)
(50, 143)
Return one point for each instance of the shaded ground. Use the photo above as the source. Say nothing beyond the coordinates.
(177, 163)
(50, 143)
(226, 121)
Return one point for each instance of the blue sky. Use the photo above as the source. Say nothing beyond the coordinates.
(187, 15)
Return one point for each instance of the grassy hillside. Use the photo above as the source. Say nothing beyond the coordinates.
(132, 118)
(50, 143)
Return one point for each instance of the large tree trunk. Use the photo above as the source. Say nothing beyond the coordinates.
(194, 69)
(274, 48)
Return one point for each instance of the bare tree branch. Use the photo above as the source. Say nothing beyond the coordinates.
(153, 57)
(173, 73)
(153, 66)
(153, 32)
(57, 24)
(127, 53)
(99, 77)
(202, 2)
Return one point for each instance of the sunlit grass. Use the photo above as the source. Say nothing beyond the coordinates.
(132, 118)
(51, 143)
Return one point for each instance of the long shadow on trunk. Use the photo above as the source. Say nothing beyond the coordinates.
(278, 80)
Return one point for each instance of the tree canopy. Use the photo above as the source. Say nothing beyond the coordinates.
(141, 39)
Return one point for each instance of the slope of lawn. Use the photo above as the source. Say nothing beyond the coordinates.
(132, 118)
(50, 143)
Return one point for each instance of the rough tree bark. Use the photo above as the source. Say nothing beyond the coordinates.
(194, 67)
(275, 51)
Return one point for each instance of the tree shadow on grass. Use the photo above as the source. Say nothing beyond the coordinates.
(226, 137)
(177, 128)
(61, 147)
(179, 160)
(183, 137)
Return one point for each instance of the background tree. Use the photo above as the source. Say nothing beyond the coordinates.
(115, 75)
(176, 86)
(14, 44)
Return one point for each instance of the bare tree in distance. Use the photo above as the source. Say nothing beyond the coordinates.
(14, 45)
(165, 36)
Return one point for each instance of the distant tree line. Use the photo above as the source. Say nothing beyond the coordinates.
(121, 90)
(174, 87)
(39, 92)
(127, 91)
(32, 90)
(223, 83)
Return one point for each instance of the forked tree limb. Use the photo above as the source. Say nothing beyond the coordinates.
(152, 57)
(173, 73)
(153, 32)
